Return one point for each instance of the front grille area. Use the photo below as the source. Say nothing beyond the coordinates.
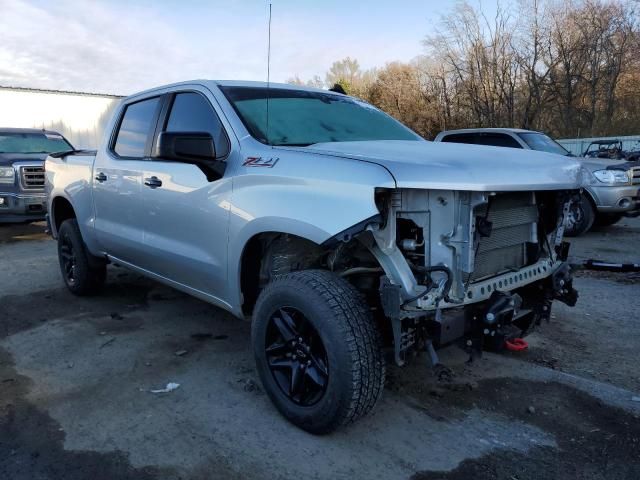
(32, 178)
(635, 175)
(513, 217)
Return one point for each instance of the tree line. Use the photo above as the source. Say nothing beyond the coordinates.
(569, 68)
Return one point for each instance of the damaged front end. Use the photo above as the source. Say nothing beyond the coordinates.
(477, 267)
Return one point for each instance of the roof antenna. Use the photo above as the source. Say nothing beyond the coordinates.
(268, 73)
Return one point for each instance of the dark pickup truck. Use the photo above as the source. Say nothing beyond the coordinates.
(22, 155)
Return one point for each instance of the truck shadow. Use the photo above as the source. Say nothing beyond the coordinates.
(16, 232)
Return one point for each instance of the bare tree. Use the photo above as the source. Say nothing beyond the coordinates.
(345, 72)
(567, 67)
(315, 82)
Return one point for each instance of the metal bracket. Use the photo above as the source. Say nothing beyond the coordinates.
(389, 256)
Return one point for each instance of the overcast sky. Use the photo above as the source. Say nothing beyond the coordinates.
(122, 46)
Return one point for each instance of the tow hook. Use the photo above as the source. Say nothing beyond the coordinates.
(502, 308)
(495, 324)
(516, 345)
(498, 319)
(562, 285)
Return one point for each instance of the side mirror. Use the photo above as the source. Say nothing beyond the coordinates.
(187, 147)
(197, 148)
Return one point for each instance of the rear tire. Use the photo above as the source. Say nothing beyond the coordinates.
(82, 274)
(607, 219)
(315, 318)
(581, 217)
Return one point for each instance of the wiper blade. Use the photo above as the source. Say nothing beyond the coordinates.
(63, 153)
(73, 151)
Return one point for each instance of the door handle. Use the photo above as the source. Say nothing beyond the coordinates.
(101, 177)
(153, 182)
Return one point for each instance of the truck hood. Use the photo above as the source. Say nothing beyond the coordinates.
(7, 159)
(594, 164)
(450, 166)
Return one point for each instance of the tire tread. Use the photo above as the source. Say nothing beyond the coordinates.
(94, 277)
(361, 335)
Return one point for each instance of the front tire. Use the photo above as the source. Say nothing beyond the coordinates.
(317, 350)
(82, 274)
(582, 214)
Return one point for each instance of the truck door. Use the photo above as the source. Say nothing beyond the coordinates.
(117, 181)
(186, 218)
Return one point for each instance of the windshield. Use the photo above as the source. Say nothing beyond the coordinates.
(32, 143)
(543, 143)
(298, 117)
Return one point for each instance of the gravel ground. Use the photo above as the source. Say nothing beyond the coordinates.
(76, 375)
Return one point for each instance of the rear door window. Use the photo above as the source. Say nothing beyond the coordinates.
(483, 138)
(461, 138)
(497, 140)
(138, 123)
(191, 112)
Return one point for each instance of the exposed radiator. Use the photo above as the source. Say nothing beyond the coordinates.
(513, 217)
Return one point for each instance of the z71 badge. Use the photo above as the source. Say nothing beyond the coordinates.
(260, 162)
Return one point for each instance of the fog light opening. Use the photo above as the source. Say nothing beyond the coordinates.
(624, 203)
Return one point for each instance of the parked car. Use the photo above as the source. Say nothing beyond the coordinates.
(342, 233)
(612, 192)
(22, 155)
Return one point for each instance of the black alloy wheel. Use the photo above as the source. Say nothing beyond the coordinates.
(68, 259)
(296, 357)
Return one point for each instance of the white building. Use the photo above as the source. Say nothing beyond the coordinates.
(80, 117)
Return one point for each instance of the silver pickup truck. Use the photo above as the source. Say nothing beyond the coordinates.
(342, 234)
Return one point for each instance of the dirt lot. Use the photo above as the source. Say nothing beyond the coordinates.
(76, 375)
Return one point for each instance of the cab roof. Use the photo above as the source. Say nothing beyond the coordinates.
(234, 83)
(496, 130)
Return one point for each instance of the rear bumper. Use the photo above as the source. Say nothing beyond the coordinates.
(623, 199)
(22, 207)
